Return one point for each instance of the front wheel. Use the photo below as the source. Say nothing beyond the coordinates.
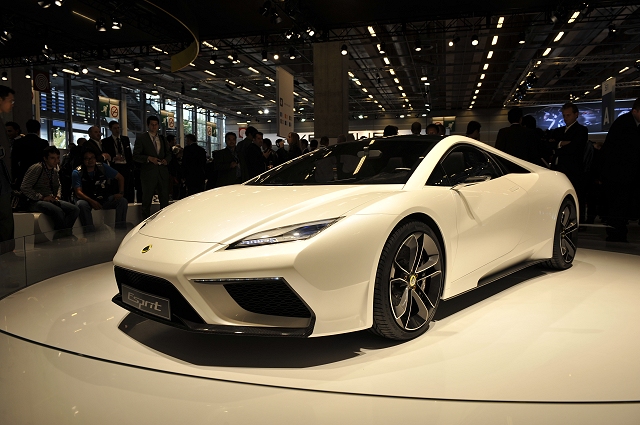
(408, 283)
(565, 238)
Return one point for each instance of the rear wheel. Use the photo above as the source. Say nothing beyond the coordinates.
(566, 237)
(409, 282)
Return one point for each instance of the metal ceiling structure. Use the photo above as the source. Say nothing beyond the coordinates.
(406, 57)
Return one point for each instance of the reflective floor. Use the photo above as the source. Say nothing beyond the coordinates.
(537, 347)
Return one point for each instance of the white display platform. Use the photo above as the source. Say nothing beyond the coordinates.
(560, 347)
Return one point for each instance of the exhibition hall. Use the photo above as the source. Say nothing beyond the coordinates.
(320, 212)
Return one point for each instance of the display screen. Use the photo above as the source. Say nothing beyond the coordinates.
(549, 117)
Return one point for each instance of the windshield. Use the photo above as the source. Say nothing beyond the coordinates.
(381, 161)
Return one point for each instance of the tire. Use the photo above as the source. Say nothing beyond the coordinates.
(565, 238)
(409, 282)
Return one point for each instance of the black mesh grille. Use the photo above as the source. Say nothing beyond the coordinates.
(160, 287)
(272, 297)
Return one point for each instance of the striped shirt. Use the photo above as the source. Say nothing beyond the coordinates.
(40, 182)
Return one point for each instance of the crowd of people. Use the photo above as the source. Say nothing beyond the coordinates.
(106, 173)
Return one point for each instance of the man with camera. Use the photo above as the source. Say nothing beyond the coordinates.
(91, 186)
(41, 185)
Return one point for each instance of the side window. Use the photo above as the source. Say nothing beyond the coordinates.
(468, 161)
(438, 177)
(509, 167)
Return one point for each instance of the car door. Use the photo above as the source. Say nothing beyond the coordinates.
(490, 213)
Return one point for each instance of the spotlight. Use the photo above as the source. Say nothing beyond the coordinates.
(4, 76)
(275, 18)
(383, 48)
(554, 17)
(418, 45)
(117, 66)
(156, 63)
(116, 24)
(136, 65)
(522, 38)
(264, 56)
(27, 74)
(454, 41)
(531, 80)
(58, 2)
(101, 25)
(213, 58)
(54, 71)
(289, 34)
(194, 87)
(276, 56)
(474, 40)
(292, 53)
(266, 7)
(45, 4)
(311, 32)
(47, 51)
(75, 69)
(85, 70)
(234, 57)
(612, 29)
(5, 36)
(343, 50)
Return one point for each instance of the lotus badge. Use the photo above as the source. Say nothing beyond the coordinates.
(146, 249)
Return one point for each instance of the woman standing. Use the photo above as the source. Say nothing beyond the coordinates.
(294, 145)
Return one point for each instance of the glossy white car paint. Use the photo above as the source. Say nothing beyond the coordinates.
(485, 228)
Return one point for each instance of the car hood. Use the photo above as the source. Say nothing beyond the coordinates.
(227, 213)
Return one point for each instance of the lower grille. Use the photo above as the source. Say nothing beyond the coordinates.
(180, 307)
(270, 297)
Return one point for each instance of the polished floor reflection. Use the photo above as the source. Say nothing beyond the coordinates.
(541, 345)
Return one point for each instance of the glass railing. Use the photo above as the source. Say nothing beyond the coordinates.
(35, 258)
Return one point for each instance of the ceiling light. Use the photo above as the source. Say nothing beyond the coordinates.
(213, 58)
(45, 4)
(400, 88)
(85, 70)
(355, 80)
(382, 47)
(404, 94)
(371, 31)
(396, 80)
(311, 32)
(136, 65)
(343, 50)
(418, 45)
(264, 56)
(4, 76)
(76, 70)
(27, 74)
(490, 54)
(482, 76)
(194, 87)
(554, 17)
(209, 72)
(480, 84)
(623, 70)
(101, 25)
(117, 67)
(116, 24)
(156, 63)
(495, 40)
(612, 29)
(260, 111)
(276, 56)
(234, 57)
(54, 71)
(105, 69)
(350, 74)
(522, 38)
(265, 9)
(573, 17)
(453, 41)
(500, 22)
(239, 113)
(547, 51)
(288, 34)
(424, 78)
(276, 18)
(475, 97)
(392, 72)
(477, 91)
(386, 60)
(58, 2)
(559, 36)
(292, 53)
(364, 89)
(485, 67)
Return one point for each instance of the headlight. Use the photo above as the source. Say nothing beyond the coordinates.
(284, 234)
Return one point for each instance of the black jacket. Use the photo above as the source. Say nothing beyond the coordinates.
(194, 160)
(519, 142)
(621, 152)
(26, 151)
(109, 146)
(226, 174)
(571, 157)
(254, 160)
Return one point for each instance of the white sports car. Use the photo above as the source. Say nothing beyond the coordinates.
(367, 234)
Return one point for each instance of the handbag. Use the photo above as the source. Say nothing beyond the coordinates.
(19, 202)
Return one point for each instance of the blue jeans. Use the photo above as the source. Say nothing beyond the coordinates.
(120, 205)
(63, 215)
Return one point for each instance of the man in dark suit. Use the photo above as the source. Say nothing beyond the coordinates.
(516, 140)
(194, 160)
(620, 172)
(153, 154)
(27, 151)
(569, 143)
(254, 158)
(119, 148)
(226, 162)
(94, 144)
